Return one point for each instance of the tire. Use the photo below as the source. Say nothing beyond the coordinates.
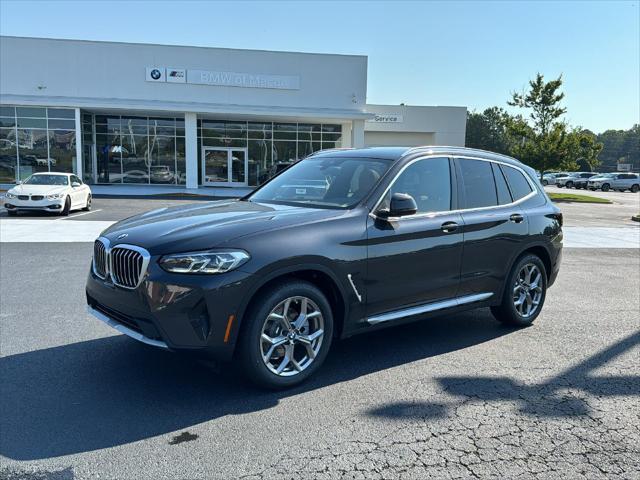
(559, 186)
(88, 205)
(605, 187)
(508, 312)
(12, 213)
(545, 183)
(67, 207)
(261, 321)
(635, 188)
(569, 184)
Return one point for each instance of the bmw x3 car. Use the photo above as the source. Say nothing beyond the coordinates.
(386, 236)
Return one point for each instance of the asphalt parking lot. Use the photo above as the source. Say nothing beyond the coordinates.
(456, 397)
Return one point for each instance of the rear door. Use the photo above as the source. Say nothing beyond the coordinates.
(495, 225)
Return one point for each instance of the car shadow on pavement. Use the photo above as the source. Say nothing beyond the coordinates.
(563, 395)
(113, 391)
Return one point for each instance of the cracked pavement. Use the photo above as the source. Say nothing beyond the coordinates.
(455, 397)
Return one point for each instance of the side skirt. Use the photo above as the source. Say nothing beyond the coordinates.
(429, 307)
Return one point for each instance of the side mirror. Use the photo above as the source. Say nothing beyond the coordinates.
(402, 204)
(19, 182)
(75, 184)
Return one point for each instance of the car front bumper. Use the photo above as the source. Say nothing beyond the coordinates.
(44, 204)
(174, 311)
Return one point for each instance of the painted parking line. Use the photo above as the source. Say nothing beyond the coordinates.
(72, 216)
(50, 231)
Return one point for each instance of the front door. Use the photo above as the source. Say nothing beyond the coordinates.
(416, 259)
(224, 166)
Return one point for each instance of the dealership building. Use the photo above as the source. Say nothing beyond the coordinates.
(190, 117)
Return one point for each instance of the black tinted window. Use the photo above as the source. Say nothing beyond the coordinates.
(502, 189)
(428, 182)
(478, 184)
(517, 183)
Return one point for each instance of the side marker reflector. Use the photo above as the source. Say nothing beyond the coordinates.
(228, 331)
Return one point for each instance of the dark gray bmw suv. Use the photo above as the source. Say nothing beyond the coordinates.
(340, 243)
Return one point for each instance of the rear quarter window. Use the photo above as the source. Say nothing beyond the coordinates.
(518, 184)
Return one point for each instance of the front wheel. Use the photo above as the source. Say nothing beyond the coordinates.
(635, 188)
(67, 207)
(286, 336)
(524, 293)
(569, 184)
(605, 187)
(545, 183)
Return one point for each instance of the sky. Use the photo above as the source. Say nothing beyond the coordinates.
(471, 54)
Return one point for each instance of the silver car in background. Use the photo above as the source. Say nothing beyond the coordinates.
(552, 177)
(615, 181)
(574, 178)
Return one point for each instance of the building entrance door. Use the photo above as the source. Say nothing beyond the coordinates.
(224, 167)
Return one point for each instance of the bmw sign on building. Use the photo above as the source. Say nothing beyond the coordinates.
(155, 74)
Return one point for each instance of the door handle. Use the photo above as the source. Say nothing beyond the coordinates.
(516, 218)
(448, 227)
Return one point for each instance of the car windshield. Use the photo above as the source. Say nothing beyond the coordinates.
(47, 180)
(324, 182)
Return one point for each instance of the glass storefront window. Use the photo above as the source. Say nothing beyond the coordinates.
(181, 165)
(36, 139)
(162, 152)
(270, 145)
(33, 152)
(8, 155)
(135, 159)
(62, 150)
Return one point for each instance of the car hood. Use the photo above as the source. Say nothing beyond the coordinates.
(37, 189)
(206, 225)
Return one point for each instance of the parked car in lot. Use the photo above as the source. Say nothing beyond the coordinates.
(615, 181)
(51, 192)
(574, 179)
(551, 177)
(386, 236)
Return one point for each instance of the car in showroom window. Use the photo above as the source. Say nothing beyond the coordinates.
(50, 192)
(341, 243)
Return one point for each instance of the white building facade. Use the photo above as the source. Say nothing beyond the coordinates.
(119, 113)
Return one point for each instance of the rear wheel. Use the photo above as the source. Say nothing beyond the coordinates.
(524, 293)
(545, 183)
(569, 184)
(286, 336)
(605, 187)
(635, 188)
(88, 205)
(67, 207)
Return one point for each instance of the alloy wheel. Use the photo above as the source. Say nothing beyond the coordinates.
(292, 336)
(527, 291)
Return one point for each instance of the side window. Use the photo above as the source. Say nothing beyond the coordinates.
(502, 189)
(517, 182)
(428, 181)
(477, 183)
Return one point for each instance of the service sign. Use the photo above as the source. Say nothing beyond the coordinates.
(386, 118)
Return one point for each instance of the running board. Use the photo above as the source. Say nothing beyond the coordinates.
(429, 307)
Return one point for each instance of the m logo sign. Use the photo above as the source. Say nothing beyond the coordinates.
(156, 74)
(176, 75)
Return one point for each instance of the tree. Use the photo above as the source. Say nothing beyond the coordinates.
(545, 137)
(488, 130)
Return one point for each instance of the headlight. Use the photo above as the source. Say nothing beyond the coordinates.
(10, 195)
(55, 196)
(204, 262)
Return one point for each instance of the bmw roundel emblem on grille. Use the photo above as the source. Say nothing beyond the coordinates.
(121, 236)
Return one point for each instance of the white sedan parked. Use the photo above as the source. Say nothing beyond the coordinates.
(49, 191)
